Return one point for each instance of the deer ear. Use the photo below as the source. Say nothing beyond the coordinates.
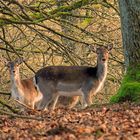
(94, 49)
(109, 47)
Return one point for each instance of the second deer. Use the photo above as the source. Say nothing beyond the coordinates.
(22, 91)
(85, 81)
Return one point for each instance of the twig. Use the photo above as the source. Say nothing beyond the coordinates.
(5, 93)
(25, 105)
(21, 116)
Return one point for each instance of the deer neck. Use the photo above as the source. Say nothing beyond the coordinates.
(101, 71)
(16, 87)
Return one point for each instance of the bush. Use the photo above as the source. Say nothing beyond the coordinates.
(130, 88)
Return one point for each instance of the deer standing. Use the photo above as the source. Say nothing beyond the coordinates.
(85, 81)
(22, 91)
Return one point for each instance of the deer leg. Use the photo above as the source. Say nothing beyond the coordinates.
(55, 101)
(32, 105)
(74, 102)
(88, 99)
(84, 103)
(45, 102)
(47, 91)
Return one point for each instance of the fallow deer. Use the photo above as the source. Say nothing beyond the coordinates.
(85, 81)
(23, 91)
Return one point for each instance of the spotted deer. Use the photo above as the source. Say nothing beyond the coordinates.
(84, 81)
(23, 91)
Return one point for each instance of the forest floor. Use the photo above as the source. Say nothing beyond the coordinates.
(104, 122)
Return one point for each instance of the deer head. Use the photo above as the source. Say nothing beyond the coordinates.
(102, 53)
(13, 66)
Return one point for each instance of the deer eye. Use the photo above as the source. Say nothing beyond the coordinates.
(13, 71)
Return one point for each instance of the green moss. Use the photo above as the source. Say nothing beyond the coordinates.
(36, 15)
(130, 88)
(2, 22)
(63, 14)
(36, 4)
(85, 22)
(71, 7)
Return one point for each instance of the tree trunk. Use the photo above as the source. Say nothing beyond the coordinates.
(130, 21)
(130, 26)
